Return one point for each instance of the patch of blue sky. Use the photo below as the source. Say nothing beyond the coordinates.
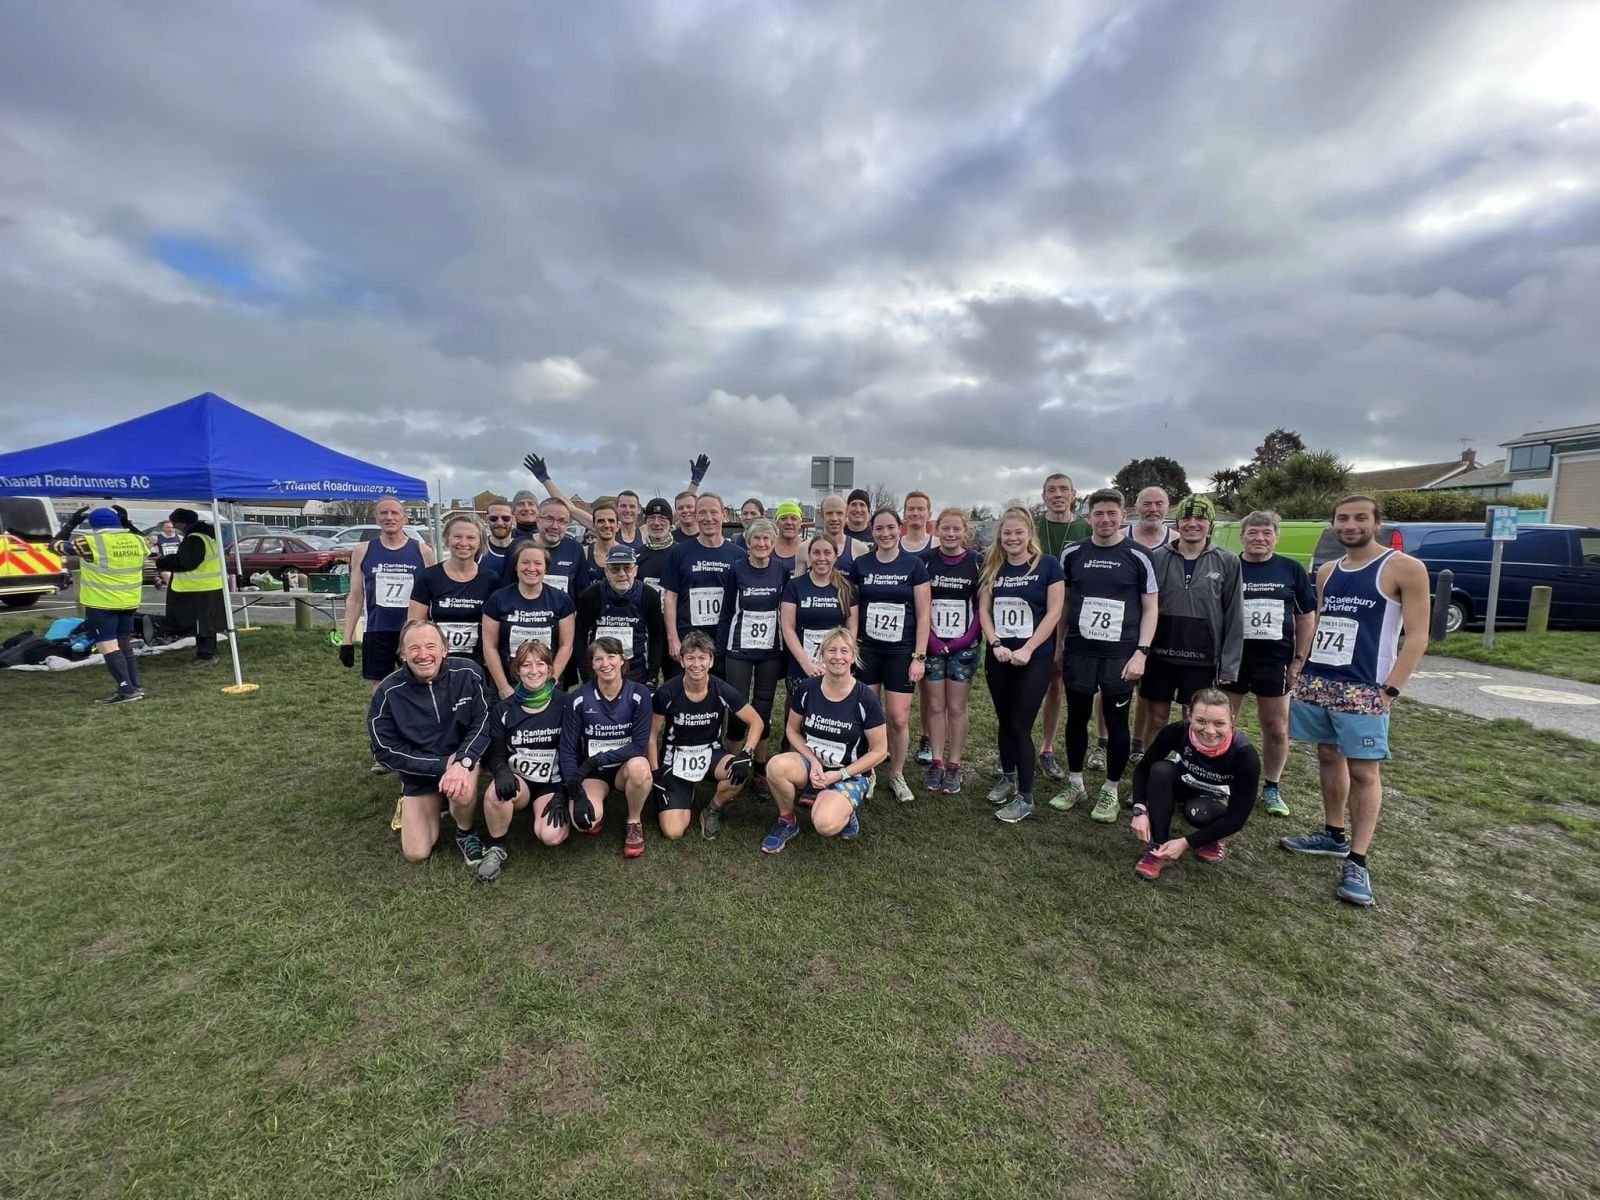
(207, 262)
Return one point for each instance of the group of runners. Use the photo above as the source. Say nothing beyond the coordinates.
(533, 671)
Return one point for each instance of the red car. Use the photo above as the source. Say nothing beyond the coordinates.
(280, 553)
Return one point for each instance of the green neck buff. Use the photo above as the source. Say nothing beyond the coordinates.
(535, 698)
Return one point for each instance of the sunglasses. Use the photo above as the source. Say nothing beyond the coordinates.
(500, 520)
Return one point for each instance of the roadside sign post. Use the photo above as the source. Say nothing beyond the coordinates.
(830, 474)
(1500, 524)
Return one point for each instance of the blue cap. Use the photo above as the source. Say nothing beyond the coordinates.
(104, 518)
(621, 556)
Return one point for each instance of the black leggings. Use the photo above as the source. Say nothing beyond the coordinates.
(1119, 742)
(763, 677)
(1018, 693)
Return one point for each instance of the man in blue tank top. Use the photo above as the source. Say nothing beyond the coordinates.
(1352, 674)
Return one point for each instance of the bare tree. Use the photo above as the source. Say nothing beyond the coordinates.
(882, 497)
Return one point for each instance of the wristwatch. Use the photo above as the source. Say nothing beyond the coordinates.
(1391, 692)
(918, 656)
(466, 761)
(1144, 650)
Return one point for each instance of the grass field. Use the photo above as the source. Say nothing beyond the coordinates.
(1569, 655)
(221, 979)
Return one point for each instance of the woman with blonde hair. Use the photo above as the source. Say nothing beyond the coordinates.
(837, 732)
(952, 648)
(452, 593)
(1020, 597)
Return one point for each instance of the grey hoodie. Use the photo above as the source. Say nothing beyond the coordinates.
(1202, 618)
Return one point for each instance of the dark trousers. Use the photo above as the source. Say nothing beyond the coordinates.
(1018, 694)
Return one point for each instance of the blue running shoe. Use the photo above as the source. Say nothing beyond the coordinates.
(780, 836)
(852, 830)
(1272, 796)
(1320, 842)
(1355, 885)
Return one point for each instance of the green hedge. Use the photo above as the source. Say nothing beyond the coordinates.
(1447, 506)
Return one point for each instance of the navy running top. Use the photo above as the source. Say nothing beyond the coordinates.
(1275, 591)
(836, 730)
(524, 620)
(611, 730)
(1358, 628)
(886, 595)
(694, 726)
(389, 576)
(563, 568)
(749, 627)
(528, 742)
(1105, 590)
(954, 592)
(455, 607)
(1019, 600)
(816, 611)
(698, 576)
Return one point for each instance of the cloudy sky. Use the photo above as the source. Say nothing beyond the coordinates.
(966, 247)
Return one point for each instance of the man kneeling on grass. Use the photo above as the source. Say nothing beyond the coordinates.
(1212, 783)
(429, 721)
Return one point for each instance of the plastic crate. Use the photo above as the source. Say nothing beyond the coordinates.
(333, 585)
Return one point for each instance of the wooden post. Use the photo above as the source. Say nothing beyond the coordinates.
(1539, 610)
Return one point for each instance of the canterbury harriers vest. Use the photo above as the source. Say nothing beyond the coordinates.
(113, 571)
(207, 577)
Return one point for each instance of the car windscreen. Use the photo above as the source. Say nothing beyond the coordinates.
(27, 517)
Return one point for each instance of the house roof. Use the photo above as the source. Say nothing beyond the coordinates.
(1488, 475)
(1393, 479)
(1545, 435)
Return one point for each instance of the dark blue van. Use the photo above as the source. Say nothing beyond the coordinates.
(1564, 558)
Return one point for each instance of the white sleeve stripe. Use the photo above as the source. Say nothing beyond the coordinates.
(399, 683)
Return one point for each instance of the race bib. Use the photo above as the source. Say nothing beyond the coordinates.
(705, 605)
(536, 766)
(460, 637)
(604, 745)
(1013, 618)
(758, 630)
(949, 619)
(886, 622)
(1334, 643)
(393, 588)
(521, 634)
(560, 582)
(1100, 620)
(812, 640)
(829, 754)
(1263, 620)
(623, 634)
(690, 763)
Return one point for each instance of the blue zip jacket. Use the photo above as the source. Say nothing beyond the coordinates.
(418, 727)
(592, 718)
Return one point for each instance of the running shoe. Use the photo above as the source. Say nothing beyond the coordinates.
(196, 663)
(935, 780)
(1005, 788)
(872, 782)
(493, 859)
(901, 789)
(1049, 765)
(1075, 794)
(1105, 805)
(1213, 852)
(1318, 841)
(1149, 867)
(1355, 885)
(1273, 796)
(924, 752)
(711, 821)
(952, 779)
(1020, 809)
(760, 788)
(471, 848)
(121, 698)
(394, 821)
(633, 839)
(852, 829)
(378, 768)
(1135, 755)
(779, 836)
(1097, 759)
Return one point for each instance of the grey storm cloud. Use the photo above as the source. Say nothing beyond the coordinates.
(966, 245)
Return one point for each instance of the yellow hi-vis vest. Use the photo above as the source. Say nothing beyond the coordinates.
(207, 577)
(113, 570)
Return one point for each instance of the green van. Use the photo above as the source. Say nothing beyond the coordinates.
(1296, 539)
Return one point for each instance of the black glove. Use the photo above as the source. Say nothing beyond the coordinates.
(698, 468)
(505, 784)
(536, 468)
(123, 514)
(73, 522)
(739, 768)
(588, 767)
(555, 813)
(347, 654)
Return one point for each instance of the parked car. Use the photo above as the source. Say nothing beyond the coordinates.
(322, 531)
(354, 535)
(1565, 558)
(278, 554)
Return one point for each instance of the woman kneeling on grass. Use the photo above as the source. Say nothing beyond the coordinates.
(692, 710)
(1212, 783)
(837, 729)
(524, 757)
(429, 721)
(604, 743)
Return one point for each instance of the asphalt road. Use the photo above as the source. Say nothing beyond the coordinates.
(270, 609)
(1484, 691)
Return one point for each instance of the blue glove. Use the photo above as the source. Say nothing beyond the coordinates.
(536, 466)
(698, 468)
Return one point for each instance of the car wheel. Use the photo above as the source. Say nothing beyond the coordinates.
(19, 601)
(1455, 616)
